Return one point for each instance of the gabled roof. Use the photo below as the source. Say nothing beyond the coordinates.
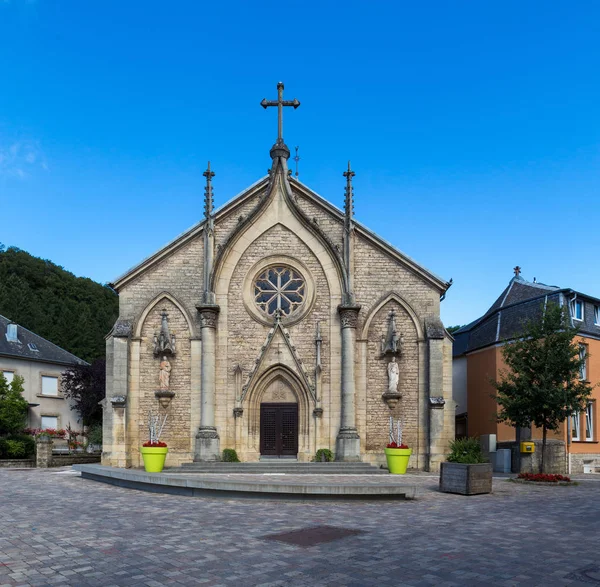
(242, 197)
(520, 302)
(28, 342)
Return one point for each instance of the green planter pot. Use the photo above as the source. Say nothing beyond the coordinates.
(154, 458)
(397, 459)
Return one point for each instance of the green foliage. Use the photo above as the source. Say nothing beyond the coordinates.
(94, 434)
(467, 451)
(85, 386)
(323, 455)
(542, 384)
(13, 406)
(453, 329)
(17, 446)
(230, 456)
(74, 313)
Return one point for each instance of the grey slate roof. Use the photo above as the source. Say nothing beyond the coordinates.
(520, 302)
(47, 352)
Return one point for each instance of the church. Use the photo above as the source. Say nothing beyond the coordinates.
(277, 326)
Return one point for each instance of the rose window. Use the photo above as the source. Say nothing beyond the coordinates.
(279, 288)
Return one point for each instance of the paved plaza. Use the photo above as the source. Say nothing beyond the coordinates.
(59, 529)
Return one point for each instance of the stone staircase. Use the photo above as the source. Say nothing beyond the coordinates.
(280, 466)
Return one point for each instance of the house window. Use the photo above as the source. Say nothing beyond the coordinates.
(50, 422)
(9, 376)
(575, 420)
(11, 333)
(577, 310)
(49, 385)
(583, 358)
(589, 422)
(597, 315)
(33, 347)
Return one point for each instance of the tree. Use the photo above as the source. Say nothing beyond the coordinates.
(13, 406)
(453, 329)
(85, 386)
(542, 385)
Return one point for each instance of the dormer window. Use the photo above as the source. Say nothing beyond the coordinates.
(577, 310)
(11, 333)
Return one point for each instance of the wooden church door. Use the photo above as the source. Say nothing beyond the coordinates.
(278, 429)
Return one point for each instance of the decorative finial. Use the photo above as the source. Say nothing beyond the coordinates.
(517, 271)
(164, 343)
(208, 193)
(349, 195)
(296, 159)
(280, 149)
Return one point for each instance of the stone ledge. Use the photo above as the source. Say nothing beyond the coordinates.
(202, 486)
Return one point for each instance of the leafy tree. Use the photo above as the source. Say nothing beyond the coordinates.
(13, 406)
(73, 312)
(453, 329)
(542, 384)
(85, 386)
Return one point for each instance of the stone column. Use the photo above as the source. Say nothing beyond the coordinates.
(348, 440)
(207, 439)
(43, 452)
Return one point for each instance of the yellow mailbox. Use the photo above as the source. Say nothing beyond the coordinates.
(527, 447)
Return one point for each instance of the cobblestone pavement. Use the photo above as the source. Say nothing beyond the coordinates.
(59, 529)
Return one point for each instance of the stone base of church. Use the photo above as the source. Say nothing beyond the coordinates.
(207, 445)
(347, 446)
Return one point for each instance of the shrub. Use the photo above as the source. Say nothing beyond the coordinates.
(94, 435)
(543, 477)
(230, 456)
(466, 450)
(323, 455)
(17, 446)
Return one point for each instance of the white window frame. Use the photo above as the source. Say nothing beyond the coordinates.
(8, 372)
(574, 305)
(589, 422)
(575, 426)
(583, 355)
(51, 427)
(597, 315)
(42, 392)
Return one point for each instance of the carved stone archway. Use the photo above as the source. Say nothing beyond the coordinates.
(278, 384)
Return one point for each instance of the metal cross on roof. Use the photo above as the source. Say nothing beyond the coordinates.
(280, 103)
(517, 271)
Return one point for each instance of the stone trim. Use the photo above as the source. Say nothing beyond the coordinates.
(209, 315)
(137, 332)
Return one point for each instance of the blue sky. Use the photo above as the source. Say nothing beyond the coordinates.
(473, 127)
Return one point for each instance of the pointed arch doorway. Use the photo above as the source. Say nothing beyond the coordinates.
(279, 419)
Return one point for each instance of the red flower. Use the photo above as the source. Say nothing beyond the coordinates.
(544, 477)
(158, 444)
(394, 445)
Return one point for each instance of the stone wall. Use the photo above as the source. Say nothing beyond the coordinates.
(17, 463)
(555, 457)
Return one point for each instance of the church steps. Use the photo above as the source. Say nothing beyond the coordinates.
(291, 468)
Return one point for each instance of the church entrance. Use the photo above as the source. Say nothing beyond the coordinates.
(279, 429)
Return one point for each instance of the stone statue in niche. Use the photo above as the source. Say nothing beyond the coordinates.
(164, 374)
(393, 376)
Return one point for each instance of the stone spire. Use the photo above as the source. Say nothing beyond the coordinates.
(208, 194)
(349, 197)
(280, 149)
(164, 343)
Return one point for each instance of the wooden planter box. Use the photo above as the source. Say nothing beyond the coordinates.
(466, 479)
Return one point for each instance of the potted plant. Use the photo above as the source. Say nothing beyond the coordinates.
(397, 454)
(154, 452)
(467, 471)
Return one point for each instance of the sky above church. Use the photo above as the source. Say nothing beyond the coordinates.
(473, 127)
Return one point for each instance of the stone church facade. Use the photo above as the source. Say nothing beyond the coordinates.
(278, 317)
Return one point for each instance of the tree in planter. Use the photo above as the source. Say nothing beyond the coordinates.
(85, 386)
(542, 385)
(13, 406)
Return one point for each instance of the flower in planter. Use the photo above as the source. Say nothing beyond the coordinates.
(157, 444)
(395, 445)
(543, 477)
